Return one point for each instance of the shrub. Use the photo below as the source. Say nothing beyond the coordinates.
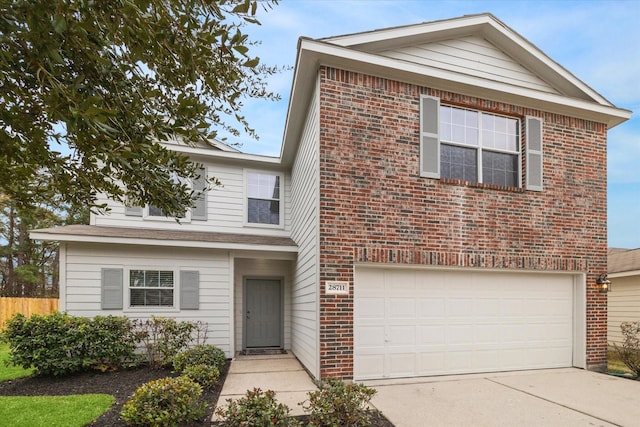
(164, 338)
(256, 409)
(59, 344)
(164, 402)
(339, 404)
(198, 355)
(205, 375)
(629, 351)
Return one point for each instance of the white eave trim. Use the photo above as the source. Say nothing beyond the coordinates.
(322, 53)
(227, 155)
(624, 274)
(35, 235)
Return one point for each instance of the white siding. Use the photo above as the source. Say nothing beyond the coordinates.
(225, 207)
(473, 56)
(304, 231)
(264, 268)
(623, 305)
(80, 292)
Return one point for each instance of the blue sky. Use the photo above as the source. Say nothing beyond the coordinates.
(597, 41)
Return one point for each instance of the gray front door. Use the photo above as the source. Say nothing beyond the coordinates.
(263, 313)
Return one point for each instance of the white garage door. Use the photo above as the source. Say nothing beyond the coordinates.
(432, 322)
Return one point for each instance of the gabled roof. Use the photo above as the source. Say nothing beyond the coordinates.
(476, 55)
(623, 262)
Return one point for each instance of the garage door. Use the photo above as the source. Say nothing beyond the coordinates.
(432, 322)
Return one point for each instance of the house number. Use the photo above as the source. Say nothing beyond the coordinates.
(335, 287)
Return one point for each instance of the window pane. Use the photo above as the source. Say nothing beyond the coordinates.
(137, 297)
(151, 278)
(136, 278)
(166, 297)
(155, 211)
(263, 211)
(166, 279)
(458, 163)
(500, 168)
(263, 186)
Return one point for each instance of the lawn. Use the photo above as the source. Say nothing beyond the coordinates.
(615, 365)
(49, 411)
(27, 411)
(10, 372)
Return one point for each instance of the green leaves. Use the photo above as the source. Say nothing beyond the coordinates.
(112, 80)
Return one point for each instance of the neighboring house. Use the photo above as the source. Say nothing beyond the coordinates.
(438, 207)
(624, 298)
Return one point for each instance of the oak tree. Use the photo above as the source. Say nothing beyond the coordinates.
(90, 91)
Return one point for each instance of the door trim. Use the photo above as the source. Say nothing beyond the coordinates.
(244, 306)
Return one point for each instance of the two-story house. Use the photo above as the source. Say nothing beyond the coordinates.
(439, 206)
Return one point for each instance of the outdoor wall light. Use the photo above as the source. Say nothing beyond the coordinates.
(604, 284)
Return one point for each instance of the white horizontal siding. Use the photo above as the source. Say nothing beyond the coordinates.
(623, 305)
(304, 230)
(225, 208)
(473, 56)
(81, 287)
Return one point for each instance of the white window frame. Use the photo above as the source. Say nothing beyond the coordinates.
(245, 198)
(151, 308)
(480, 148)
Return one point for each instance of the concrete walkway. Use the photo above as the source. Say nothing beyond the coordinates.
(280, 373)
(551, 397)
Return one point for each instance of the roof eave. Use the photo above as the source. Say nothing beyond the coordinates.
(80, 238)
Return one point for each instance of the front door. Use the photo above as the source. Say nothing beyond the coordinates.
(263, 313)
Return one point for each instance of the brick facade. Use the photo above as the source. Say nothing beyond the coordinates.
(375, 207)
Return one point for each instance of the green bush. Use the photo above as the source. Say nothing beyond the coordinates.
(59, 344)
(198, 355)
(256, 409)
(339, 404)
(164, 402)
(164, 338)
(205, 375)
(629, 350)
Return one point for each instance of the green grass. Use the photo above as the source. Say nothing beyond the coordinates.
(53, 411)
(10, 372)
(615, 365)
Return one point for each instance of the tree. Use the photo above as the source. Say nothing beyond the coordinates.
(29, 268)
(90, 89)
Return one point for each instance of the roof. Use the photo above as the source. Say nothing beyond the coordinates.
(390, 53)
(623, 261)
(156, 237)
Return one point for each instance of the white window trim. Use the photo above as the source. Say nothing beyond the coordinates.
(128, 308)
(480, 148)
(245, 200)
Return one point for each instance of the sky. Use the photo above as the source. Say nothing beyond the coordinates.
(597, 41)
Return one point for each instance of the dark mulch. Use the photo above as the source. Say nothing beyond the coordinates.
(121, 385)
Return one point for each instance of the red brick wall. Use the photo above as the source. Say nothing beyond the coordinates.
(375, 207)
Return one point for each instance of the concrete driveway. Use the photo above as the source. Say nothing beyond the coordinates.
(550, 397)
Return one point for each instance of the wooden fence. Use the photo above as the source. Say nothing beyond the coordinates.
(26, 306)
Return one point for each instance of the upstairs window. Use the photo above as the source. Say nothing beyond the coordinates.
(476, 146)
(264, 204)
(479, 147)
(197, 212)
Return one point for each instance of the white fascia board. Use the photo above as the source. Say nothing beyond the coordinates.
(227, 155)
(160, 242)
(624, 274)
(316, 52)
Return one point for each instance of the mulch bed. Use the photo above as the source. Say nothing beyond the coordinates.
(121, 385)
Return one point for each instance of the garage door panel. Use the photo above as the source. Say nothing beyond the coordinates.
(445, 322)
